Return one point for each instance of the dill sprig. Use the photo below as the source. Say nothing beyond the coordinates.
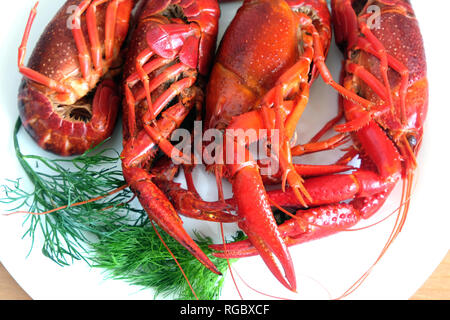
(64, 182)
(137, 255)
(109, 233)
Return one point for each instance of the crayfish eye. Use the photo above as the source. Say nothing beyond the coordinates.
(353, 54)
(412, 140)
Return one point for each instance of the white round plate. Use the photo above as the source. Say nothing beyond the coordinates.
(325, 268)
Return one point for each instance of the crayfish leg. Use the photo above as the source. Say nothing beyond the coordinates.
(29, 73)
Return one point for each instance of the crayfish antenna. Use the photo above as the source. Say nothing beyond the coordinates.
(399, 223)
(175, 259)
(218, 171)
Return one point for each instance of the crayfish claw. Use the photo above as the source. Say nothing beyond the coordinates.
(274, 255)
(259, 225)
(161, 211)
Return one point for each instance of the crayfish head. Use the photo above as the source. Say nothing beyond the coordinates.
(408, 144)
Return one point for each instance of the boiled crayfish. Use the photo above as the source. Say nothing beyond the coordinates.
(76, 54)
(386, 68)
(169, 58)
(264, 84)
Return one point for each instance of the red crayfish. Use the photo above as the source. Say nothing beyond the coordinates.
(384, 97)
(165, 72)
(75, 55)
(265, 85)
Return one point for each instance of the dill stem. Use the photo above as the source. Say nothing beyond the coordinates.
(72, 205)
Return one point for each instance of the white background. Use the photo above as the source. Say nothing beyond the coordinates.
(324, 268)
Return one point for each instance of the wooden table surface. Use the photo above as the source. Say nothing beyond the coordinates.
(437, 287)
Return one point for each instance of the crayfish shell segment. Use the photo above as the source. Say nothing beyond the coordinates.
(69, 129)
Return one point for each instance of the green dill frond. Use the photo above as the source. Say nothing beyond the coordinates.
(108, 233)
(135, 254)
(64, 182)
